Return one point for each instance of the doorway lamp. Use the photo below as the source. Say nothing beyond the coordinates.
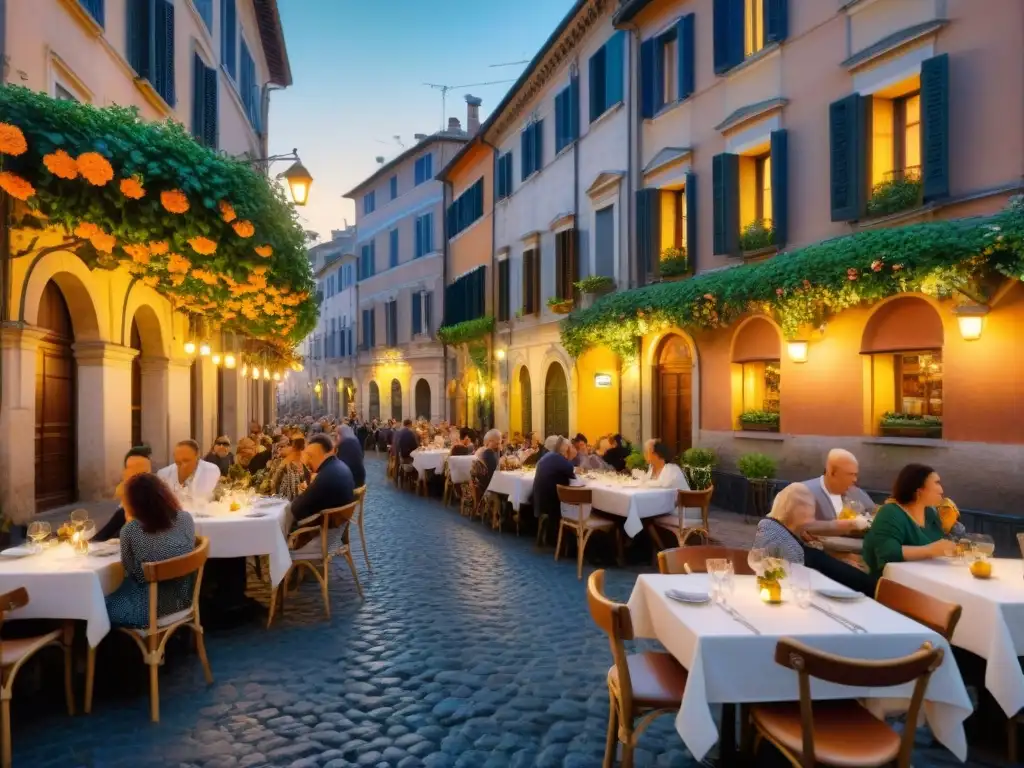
(971, 319)
(296, 176)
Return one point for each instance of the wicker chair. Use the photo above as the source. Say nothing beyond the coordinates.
(360, 494)
(683, 525)
(578, 517)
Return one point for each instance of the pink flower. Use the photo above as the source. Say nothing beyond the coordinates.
(897, 267)
(876, 265)
(851, 274)
(778, 291)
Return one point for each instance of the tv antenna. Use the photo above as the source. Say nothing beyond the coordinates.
(510, 64)
(444, 94)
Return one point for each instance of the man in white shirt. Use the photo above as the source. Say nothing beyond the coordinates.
(189, 477)
(831, 490)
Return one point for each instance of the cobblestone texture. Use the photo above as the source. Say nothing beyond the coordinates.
(470, 651)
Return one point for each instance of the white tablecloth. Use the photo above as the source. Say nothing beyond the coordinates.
(728, 663)
(634, 504)
(64, 585)
(517, 485)
(992, 622)
(460, 468)
(232, 534)
(429, 459)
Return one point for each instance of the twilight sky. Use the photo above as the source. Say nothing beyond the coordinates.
(359, 66)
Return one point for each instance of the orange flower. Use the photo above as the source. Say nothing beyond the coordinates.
(179, 264)
(15, 186)
(227, 212)
(177, 279)
(86, 229)
(259, 282)
(229, 315)
(95, 168)
(159, 248)
(244, 228)
(139, 253)
(174, 201)
(101, 241)
(203, 245)
(12, 140)
(61, 164)
(132, 189)
(265, 251)
(152, 281)
(203, 276)
(259, 270)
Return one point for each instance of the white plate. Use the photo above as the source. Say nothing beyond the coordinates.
(268, 501)
(839, 594)
(17, 552)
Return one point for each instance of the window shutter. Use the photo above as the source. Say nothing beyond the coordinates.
(139, 44)
(428, 313)
(691, 221)
(417, 313)
(776, 20)
(538, 145)
(528, 308)
(780, 186)
(373, 327)
(526, 140)
(198, 98)
(725, 169)
(95, 9)
(393, 246)
(848, 156)
(211, 108)
(685, 41)
(935, 127)
(503, 290)
(728, 34)
(648, 78)
(573, 271)
(163, 46)
(596, 67)
(229, 37)
(560, 265)
(648, 232)
(614, 66)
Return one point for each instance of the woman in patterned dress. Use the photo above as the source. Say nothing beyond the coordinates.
(156, 529)
(291, 473)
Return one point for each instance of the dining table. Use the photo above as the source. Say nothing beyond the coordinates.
(992, 619)
(429, 460)
(258, 527)
(460, 468)
(632, 499)
(730, 660)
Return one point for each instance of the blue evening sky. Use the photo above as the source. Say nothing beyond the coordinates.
(359, 66)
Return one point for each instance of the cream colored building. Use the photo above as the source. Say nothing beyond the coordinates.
(94, 361)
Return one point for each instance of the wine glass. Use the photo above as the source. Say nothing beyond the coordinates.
(38, 531)
(79, 517)
(983, 546)
(755, 559)
(800, 582)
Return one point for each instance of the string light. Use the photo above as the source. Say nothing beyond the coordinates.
(204, 349)
(190, 347)
(229, 361)
(277, 375)
(266, 373)
(245, 370)
(216, 359)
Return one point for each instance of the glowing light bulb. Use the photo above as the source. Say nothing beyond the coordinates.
(190, 347)
(215, 359)
(266, 373)
(255, 372)
(245, 370)
(277, 375)
(204, 349)
(229, 361)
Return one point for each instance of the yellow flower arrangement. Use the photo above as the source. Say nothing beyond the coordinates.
(244, 229)
(265, 251)
(132, 189)
(151, 280)
(12, 140)
(61, 164)
(95, 168)
(227, 212)
(203, 246)
(174, 201)
(15, 186)
(258, 282)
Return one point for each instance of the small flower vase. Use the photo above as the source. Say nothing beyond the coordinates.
(79, 543)
(771, 590)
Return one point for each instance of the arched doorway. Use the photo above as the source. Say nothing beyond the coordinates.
(422, 400)
(396, 400)
(526, 400)
(556, 402)
(136, 344)
(673, 381)
(374, 401)
(56, 480)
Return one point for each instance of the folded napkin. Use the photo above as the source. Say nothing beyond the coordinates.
(686, 597)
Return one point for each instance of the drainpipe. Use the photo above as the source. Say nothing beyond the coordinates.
(494, 291)
(446, 194)
(5, 243)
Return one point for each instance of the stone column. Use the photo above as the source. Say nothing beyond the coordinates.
(104, 420)
(156, 405)
(236, 404)
(19, 347)
(206, 391)
(179, 403)
(629, 395)
(272, 415)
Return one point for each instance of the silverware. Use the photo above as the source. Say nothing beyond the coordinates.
(850, 625)
(737, 617)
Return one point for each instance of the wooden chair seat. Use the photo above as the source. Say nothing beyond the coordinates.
(658, 680)
(671, 522)
(16, 651)
(683, 525)
(845, 734)
(163, 622)
(593, 522)
(578, 517)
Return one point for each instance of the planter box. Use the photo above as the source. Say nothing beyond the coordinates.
(934, 433)
(758, 427)
(676, 278)
(562, 308)
(588, 299)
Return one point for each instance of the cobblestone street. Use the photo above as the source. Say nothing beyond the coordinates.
(470, 651)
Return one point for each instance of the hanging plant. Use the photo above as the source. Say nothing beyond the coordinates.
(466, 331)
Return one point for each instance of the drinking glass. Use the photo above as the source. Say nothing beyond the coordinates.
(79, 517)
(755, 559)
(800, 582)
(88, 530)
(38, 531)
(983, 546)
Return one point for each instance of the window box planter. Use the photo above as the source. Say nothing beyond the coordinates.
(908, 425)
(903, 191)
(760, 253)
(932, 433)
(759, 421)
(673, 265)
(748, 426)
(757, 236)
(560, 306)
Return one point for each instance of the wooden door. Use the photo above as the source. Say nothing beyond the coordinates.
(556, 402)
(526, 400)
(674, 381)
(55, 438)
(396, 400)
(136, 344)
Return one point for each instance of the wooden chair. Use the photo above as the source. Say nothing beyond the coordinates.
(318, 540)
(152, 640)
(360, 514)
(938, 615)
(408, 476)
(681, 524)
(392, 472)
(13, 655)
(843, 733)
(694, 559)
(578, 517)
(640, 685)
(449, 486)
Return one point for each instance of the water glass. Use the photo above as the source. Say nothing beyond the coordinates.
(800, 582)
(719, 571)
(755, 559)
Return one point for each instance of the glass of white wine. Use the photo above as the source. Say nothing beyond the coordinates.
(38, 531)
(983, 545)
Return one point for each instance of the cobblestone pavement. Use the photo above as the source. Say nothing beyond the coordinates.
(471, 650)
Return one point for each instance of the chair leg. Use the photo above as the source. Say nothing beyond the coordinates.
(654, 535)
(5, 715)
(90, 678)
(627, 752)
(324, 590)
(362, 538)
(581, 546)
(201, 649)
(613, 733)
(1011, 739)
(154, 690)
(355, 576)
(69, 688)
(558, 544)
(273, 601)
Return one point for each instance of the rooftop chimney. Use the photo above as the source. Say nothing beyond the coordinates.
(419, 136)
(380, 159)
(454, 125)
(473, 114)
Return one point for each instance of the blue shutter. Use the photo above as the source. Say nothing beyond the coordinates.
(428, 233)
(417, 319)
(691, 221)
(728, 34)
(211, 108)
(685, 43)
(538, 145)
(935, 127)
(393, 246)
(780, 186)
(95, 9)
(648, 232)
(229, 37)
(198, 98)
(503, 290)
(373, 327)
(526, 144)
(648, 78)
(139, 38)
(428, 313)
(373, 258)
(561, 118)
(205, 8)
(597, 71)
(614, 67)
(163, 50)
(394, 187)
(776, 21)
(725, 182)
(848, 156)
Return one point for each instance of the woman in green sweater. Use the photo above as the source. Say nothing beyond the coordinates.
(908, 527)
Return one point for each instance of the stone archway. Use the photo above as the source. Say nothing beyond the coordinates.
(396, 400)
(422, 400)
(556, 401)
(374, 401)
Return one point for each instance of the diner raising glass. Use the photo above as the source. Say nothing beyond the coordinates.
(38, 531)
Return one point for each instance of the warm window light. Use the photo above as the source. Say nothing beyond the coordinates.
(229, 361)
(500, 354)
(190, 347)
(204, 349)
(318, 388)
(266, 373)
(483, 390)
(797, 351)
(971, 319)
(215, 359)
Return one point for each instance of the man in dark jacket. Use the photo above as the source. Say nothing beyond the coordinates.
(616, 455)
(351, 452)
(553, 469)
(333, 485)
(136, 462)
(406, 440)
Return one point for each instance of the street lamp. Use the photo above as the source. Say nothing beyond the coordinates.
(298, 178)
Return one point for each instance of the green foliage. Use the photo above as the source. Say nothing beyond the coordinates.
(163, 157)
(674, 262)
(760, 417)
(909, 420)
(803, 287)
(595, 284)
(895, 195)
(560, 305)
(636, 460)
(756, 235)
(699, 457)
(466, 331)
(756, 466)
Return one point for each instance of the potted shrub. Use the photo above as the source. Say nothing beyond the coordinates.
(698, 463)
(594, 286)
(636, 460)
(899, 193)
(758, 469)
(759, 421)
(909, 425)
(757, 235)
(674, 264)
(560, 306)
